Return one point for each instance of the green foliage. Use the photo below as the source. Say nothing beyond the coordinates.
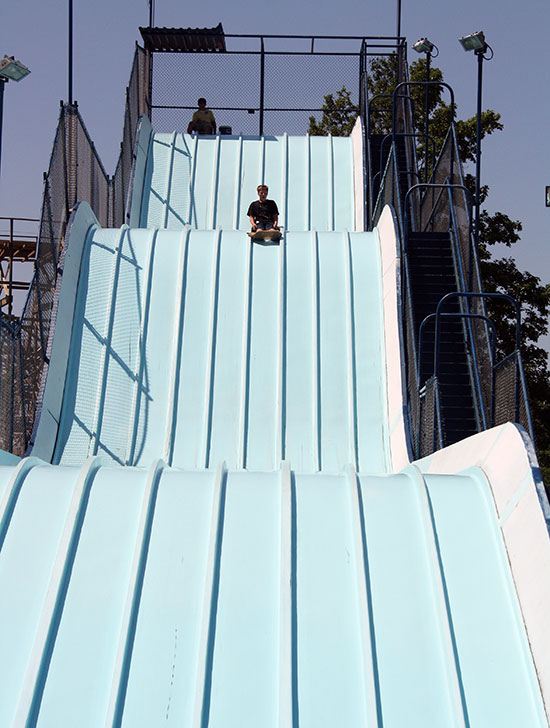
(381, 82)
(501, 275)
(339, 115)
(466, 132)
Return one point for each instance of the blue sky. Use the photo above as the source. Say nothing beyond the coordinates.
(515, 162)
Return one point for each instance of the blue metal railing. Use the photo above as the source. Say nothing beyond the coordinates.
(389, 137)
(520, 390)
(423, 212)
(425, 84)
(437, 414)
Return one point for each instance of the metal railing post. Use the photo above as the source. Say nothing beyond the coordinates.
(262, 85)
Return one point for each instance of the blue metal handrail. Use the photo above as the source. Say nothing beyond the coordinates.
(435, 373)
(442, 186)
(422, 83)
(460, 315)
(471, 295)
(399, 174)
(404, 134)
(386, 96)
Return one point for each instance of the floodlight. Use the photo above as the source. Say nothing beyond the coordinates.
(423, 46)
(474, 42)
(12, 70)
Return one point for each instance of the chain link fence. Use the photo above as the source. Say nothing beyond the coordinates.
(511, 402)
(75, 173)
(426, 432)
(138, 103)
(12, 422)
(251, 87)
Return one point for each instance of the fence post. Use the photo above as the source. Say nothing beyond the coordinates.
(262, 85)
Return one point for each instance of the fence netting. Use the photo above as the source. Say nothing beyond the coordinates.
(511, 394)
(426, 438)
(138, 103)
(251, 91)
(75, 173)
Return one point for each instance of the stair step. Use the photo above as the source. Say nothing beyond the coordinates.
(428, 235)
(425, 253)
(429, 260)
(433, 284)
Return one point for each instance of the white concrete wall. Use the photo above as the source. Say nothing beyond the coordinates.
(400, 454)
(358, 174)
(506, 456)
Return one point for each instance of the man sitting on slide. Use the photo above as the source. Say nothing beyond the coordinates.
(263, 213)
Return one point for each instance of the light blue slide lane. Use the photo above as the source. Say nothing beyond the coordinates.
(254, 597)
(221, 540)
(209, 182)
(207, 347)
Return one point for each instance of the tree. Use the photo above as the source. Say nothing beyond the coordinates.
(339, 115)
(498, 274)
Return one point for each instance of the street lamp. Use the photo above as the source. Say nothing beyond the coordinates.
(476, 42)
(10, 70)
(425, 46)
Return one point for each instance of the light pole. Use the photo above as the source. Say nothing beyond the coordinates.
(476, 42)
(10, 70)
(425, 46)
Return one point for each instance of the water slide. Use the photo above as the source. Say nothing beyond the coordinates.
(218, 522)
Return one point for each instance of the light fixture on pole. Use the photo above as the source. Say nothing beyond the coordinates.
(10, 70)
(476, 42)
(425, 46)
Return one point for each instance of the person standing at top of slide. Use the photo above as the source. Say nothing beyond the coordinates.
(263, 213)
(203, 121)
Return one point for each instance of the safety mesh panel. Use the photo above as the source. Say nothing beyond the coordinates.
(75, 173)
(412, 377)
(388, 189)
(427, 406)
(137, 104)
(179, 79)
(7, 357)
(511, 403)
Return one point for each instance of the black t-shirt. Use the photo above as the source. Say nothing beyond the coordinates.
(263, 210)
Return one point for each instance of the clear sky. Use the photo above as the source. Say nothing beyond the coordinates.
(515, 162)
